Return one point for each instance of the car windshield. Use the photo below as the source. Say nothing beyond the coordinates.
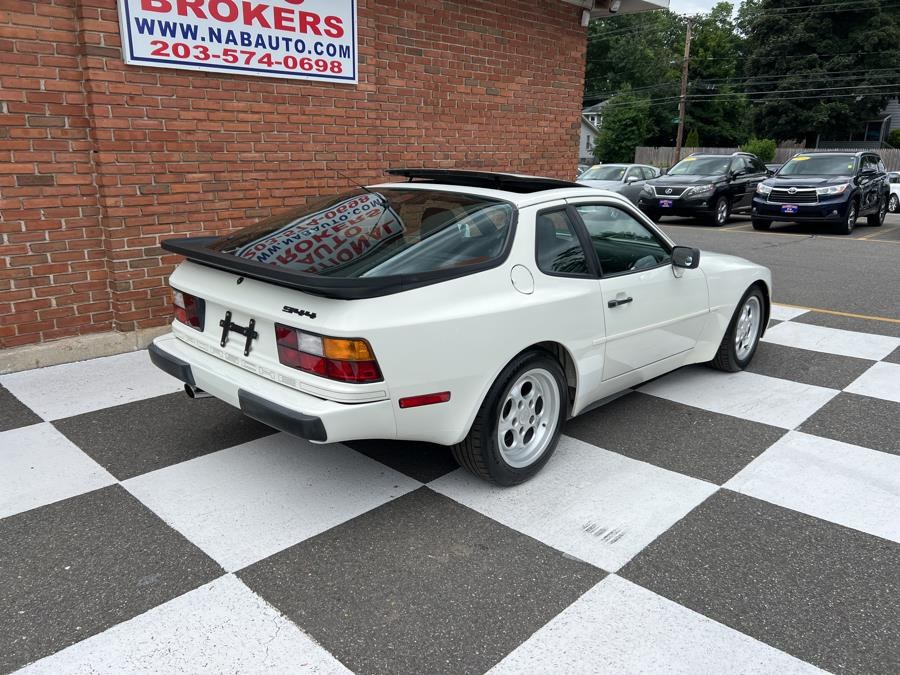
(822, 165)
(604, 172)
(378, 233)
(701, 166)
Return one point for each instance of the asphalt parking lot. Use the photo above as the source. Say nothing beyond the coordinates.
(705, 522)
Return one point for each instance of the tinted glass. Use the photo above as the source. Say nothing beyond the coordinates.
(376, 234)
(634, 172)
(757, 165)
(622, 243)
(605, 172)
(701, 166)
(648, 173)
(557, 248)
(819, 165)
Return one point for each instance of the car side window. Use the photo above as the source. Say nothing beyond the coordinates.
(758, 166)
(648, 172)
(622, 243)
(869, 163)
(558, 250)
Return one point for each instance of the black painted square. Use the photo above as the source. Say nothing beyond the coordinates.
(825, 593)
(420, 585)
(423, 462)
(674, 436)
(859, 420)
(14, 413)
(131, 439)
(74, 568)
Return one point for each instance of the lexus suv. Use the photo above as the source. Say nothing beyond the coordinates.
(711, 187)
(824, 187)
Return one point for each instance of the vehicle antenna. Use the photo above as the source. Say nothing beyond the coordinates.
(361, 187)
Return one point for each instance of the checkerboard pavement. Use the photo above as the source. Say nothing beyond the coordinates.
(704, 523)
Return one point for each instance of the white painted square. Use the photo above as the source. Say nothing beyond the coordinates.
(620, 627)
(845, 484)
(758, 398)
(222, 627)
(74, 388)
(880, 381)
(785, 312)
(249, 501)
(39, 466)
(832, 340)
(591, 503)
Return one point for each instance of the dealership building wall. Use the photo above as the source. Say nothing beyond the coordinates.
(100, 160)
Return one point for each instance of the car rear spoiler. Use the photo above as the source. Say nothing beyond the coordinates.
(197, 249)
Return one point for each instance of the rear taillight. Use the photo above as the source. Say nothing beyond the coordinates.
(189, 309)
(335, 358)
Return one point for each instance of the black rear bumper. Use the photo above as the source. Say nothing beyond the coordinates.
(260, 409)
(180, 370)
(281, 418)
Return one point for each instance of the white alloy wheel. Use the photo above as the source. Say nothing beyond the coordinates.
(747, 330)
(894, 204)
(528, 418)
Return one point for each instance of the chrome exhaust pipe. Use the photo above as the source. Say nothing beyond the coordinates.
(195, 392)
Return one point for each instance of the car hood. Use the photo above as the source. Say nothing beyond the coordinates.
(663, 181)
(806, 181)
(602, 184)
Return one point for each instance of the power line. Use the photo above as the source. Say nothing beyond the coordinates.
(694, 97)
(842, 75)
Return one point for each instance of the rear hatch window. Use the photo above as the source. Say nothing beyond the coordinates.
(377, 234)
(366, 243)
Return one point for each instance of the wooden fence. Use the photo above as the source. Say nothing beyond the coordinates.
(664, 157)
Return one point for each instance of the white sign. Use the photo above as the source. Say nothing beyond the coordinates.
(303, 39)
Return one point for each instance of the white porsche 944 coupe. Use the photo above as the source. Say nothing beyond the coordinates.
(472, 309)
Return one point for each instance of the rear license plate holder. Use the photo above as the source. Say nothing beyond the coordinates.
(228, 326)
(789, 208)
(665, 203)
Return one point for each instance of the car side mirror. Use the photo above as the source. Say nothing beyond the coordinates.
(686, 257)
(632, 179)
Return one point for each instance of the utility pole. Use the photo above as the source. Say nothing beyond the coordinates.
(684, 83)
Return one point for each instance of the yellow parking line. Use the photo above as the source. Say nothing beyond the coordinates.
(849, 315)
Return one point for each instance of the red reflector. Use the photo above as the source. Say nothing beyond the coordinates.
(424, 399)
(313, 364)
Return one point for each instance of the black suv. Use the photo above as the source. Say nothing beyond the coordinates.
(824, 187)
(711, 187)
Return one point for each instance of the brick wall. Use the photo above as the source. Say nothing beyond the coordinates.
(99, 161)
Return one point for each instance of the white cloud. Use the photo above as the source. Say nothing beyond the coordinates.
(692, 6)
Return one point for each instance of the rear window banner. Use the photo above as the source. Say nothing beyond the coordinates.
(299, 39)
(328, 239)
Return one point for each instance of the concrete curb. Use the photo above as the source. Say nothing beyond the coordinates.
(78, 348)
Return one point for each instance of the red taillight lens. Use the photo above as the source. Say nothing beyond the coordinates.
(189, 309)
(341, 359)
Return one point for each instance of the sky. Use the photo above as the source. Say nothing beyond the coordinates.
(692, 6)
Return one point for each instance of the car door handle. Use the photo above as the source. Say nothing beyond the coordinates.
(617, 302)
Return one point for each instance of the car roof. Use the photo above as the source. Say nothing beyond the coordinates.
(519, 199)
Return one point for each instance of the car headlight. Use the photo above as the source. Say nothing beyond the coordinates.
(648, 190)
(763, 189)
(700, 190)
(833, 189)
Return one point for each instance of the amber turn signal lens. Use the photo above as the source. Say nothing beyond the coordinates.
(347, 350)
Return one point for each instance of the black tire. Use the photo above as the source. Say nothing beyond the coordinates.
(479, 451)
(761, 224)
(894, 203)
(716, 218)
(846, 227)
(727, 358)
(877, 219)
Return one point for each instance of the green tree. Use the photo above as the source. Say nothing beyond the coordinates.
(693, 139)
(764, 148)
(644, 53)
(716, 107)
(824, 69)
(626, 123)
